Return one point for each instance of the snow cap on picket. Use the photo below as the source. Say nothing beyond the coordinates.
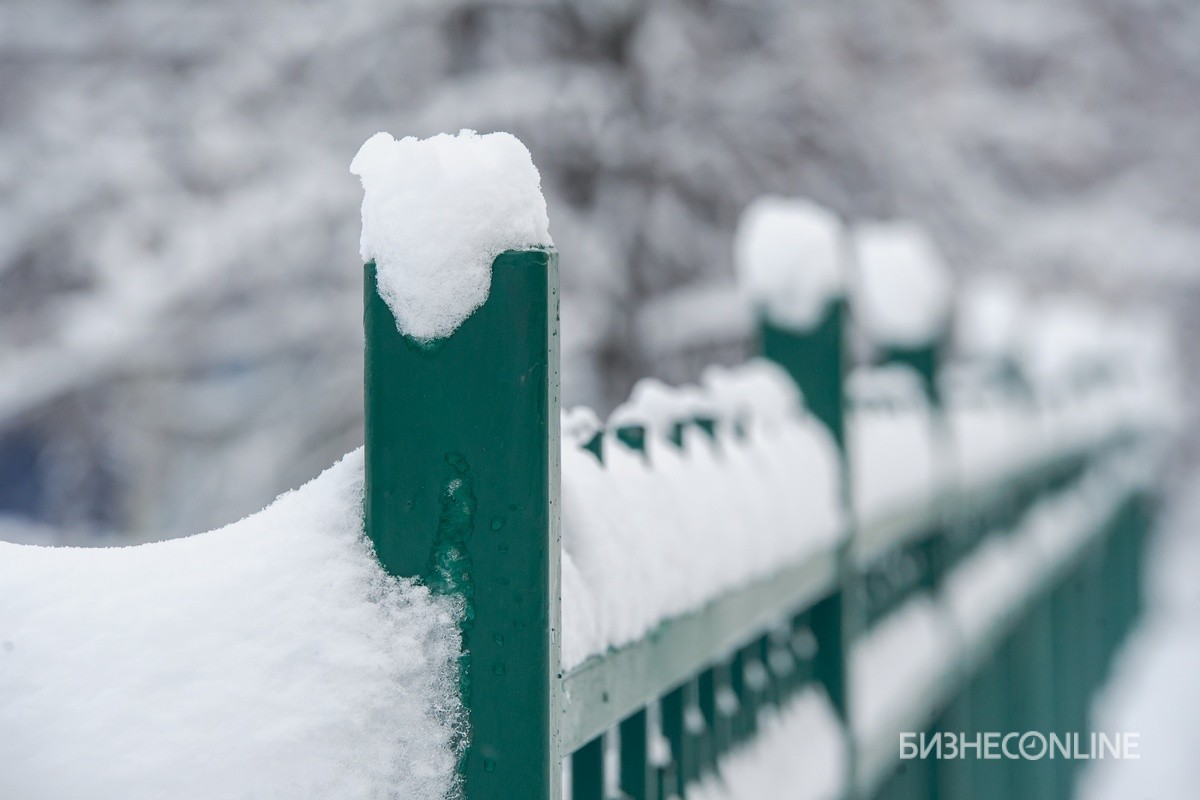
(988, 322)
(790, 258)
(435, 214)
(903, 288)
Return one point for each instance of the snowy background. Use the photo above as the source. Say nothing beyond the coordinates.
(179, 280)
(180, 287)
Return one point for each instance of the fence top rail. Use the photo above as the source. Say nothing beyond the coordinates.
(605, 689)
(875, 538)
(877, 750)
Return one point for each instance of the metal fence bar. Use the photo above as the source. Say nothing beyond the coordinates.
(462, 491)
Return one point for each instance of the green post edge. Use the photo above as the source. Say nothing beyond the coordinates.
(462, 472)
(817, 361)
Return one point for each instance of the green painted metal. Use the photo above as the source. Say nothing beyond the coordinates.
(817, 361)
(587, 771)
(1030, 663)
(462, 470)
(462, 492)
(637, 774)
(924, 360)
(831, 630)
(673, 708)
(605, 689)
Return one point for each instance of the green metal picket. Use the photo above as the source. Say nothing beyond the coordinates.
(462, 491)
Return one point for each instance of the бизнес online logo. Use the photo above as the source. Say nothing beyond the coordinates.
(1018, 745)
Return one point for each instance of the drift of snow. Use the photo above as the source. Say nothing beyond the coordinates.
(272, 658)
(902, 286)
(897, 663)
(891, 441)
(1066, 335)
(685, 522)
(989, 316)
(790, 256)
(1153, 690)
(993, 428)
(436, 212)
(798, 752)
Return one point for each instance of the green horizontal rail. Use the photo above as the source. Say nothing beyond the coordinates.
(462, 491)
(876, 537)
(877, 756)
(606, 689)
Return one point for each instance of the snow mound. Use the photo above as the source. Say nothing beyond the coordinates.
(903, 290)
(1066, 334)
(989, 317)
(891, 441)
(790, 257)
(799, 753)
(435, 214)
(696, 509)
(272, 658)
(896, 662)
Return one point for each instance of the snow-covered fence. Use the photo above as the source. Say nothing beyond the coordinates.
(750, 587)
(790, 548)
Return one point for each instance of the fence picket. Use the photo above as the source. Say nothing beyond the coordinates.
(461, 490)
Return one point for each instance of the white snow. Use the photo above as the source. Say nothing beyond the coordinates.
(799, 753)
(272, 658)
(897, 663)
(1153, 690)
(902, 287)
(683, 524)
(1063, 337)
(987, 324)
(692, 318)
(890, 439)
(992, 428)
(994, 580)
(790, 257)
(436, 212)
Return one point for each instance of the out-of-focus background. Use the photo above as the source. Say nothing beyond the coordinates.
(180, 286)
(179, 277)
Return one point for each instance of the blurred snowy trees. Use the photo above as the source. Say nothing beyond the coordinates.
(179, 285)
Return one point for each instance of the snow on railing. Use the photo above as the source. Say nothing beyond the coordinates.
(794, 553)
(688, 493)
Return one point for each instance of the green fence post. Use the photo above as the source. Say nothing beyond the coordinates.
(816, 359)
(637, 773)
(462, 491)
(925, 360)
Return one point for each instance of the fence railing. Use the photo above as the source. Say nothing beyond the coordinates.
(462, 482)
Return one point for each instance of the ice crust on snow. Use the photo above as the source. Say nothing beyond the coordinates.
(272, 658)
(790, 257)
(687, 522)
(436, 212)
(902, 289)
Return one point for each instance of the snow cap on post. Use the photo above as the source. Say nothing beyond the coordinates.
(902, 291)
(790, 259)
(988, 322)
(436, 212)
